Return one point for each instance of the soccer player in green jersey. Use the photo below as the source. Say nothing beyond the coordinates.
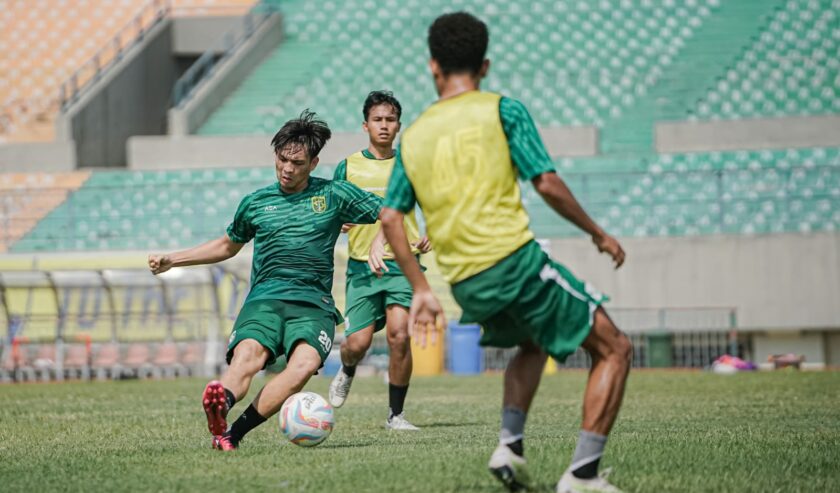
(378, 295)
(460, 161)
(289, 310)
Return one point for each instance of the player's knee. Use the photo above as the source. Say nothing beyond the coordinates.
(623, 349)
(357, 343)
(304, 367)
(398, 340)
(248, 353)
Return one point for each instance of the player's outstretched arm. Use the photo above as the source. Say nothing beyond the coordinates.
(426, 313)
(376, 255)
(556, 194)
(213, 251)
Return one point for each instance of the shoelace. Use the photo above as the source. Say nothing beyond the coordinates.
(605, 473)
(341, 389)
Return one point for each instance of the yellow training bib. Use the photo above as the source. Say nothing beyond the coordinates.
(457, 158)
(373, 175)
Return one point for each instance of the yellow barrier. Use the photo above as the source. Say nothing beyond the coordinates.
(428, 360)
(550, 367)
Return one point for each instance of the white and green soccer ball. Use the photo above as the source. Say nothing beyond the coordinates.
(306, 419)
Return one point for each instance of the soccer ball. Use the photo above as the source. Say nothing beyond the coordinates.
(306, 419)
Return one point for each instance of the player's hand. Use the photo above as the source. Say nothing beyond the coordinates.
(611, 246)
(376, 257)
(424, 245)
(159, 264)
(425, 318)
(347, 227)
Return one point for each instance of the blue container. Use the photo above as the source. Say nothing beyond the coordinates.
(464, 352)
(332, 364)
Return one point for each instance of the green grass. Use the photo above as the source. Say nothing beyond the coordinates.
(678, 431)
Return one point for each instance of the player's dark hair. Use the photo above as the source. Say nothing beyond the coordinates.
(306, 130)
(458, 41)
(375, 98)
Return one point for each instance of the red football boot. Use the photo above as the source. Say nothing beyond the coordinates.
(223, 443)
(215, 406)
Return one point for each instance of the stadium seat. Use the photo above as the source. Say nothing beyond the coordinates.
(106, 362)
(165, 362)
(193, 357)
(45, 362)
(136, 362)
(77, 362)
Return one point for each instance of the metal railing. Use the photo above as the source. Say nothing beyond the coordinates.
(201, 70)
(672, 337)
(152, 13)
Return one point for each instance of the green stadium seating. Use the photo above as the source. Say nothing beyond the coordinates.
(791, 68)
(572, 63)
(737, 192)
(619, 65)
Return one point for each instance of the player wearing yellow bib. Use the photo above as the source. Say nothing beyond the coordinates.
(460, 161)
(378, 294)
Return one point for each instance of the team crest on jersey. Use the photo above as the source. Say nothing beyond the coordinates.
(319, 204)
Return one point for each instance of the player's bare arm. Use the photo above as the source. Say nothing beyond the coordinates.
(554, 191)
(222, 248)
(426, 312)
(376, 257)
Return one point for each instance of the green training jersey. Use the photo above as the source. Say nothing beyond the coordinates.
(294, 237)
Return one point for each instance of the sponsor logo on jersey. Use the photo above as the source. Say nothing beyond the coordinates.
(319, 204)
(270, 208)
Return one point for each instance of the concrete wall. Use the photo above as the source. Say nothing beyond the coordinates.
(198, 151)
(130, 100)
(808, 344)
(28, 157)
(192, 36)
(757, 133)
(570, 141)
(781, 281)
(229, 74)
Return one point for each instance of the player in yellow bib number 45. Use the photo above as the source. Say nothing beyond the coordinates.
(460, 160)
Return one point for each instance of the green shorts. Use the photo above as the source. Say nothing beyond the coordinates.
(279, 324)
(540, 300)
(369, 296)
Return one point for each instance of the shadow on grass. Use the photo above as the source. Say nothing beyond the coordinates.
(449, 425)
(346, 445)
(497, 487)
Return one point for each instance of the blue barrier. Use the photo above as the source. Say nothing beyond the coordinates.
(464, 351)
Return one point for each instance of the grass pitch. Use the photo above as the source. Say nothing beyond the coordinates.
(678, 431)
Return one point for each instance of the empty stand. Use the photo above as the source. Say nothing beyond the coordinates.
(572, 63)
(672, 194)
(44, 42)
(791, 68)
(25, 198)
